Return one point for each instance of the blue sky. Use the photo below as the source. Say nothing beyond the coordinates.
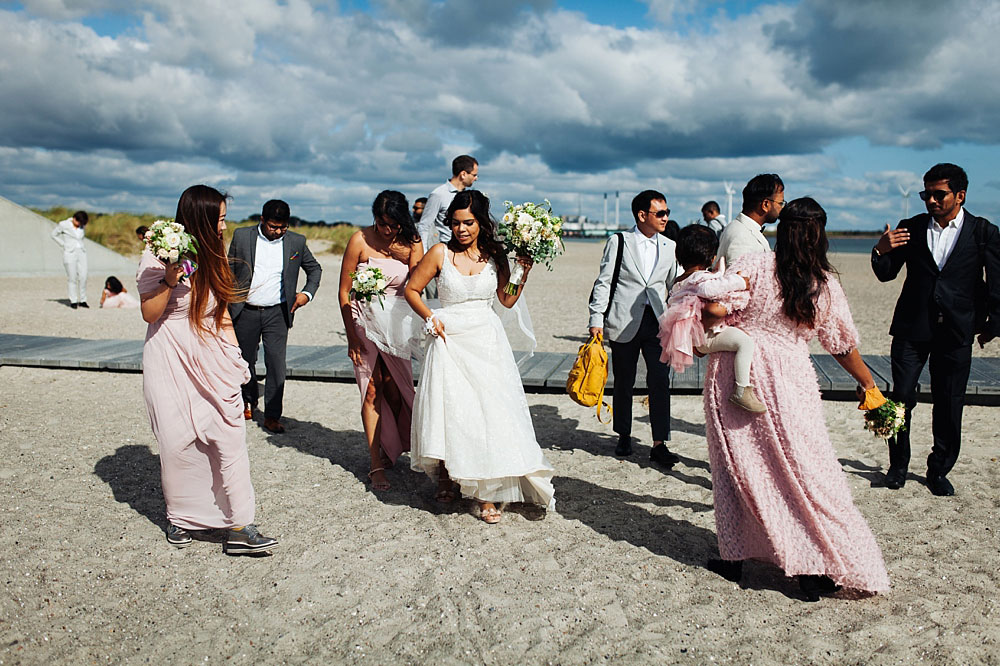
(120, 105)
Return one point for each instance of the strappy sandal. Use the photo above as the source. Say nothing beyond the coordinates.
(376, 485)
(445, 495)
(489, 516)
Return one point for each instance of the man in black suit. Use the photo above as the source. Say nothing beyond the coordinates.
(943, 304)
(266, 260)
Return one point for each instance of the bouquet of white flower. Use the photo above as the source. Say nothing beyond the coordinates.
(368, 282)
(530, 230)
(169, 242)
(887, 420)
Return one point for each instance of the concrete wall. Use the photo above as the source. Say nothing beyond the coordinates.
(27, 249)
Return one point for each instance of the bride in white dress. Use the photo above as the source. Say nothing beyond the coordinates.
(471, 424)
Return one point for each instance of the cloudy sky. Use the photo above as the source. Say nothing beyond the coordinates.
(121, 104)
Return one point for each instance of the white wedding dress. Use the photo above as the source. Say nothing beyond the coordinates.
(470, 410)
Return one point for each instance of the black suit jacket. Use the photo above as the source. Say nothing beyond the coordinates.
(243, 251)
(966, 303)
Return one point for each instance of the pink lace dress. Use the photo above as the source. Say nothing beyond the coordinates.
(192, 389)
(780, 493)
(385, 330)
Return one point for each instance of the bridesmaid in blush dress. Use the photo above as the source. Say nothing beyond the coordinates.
(378, 341)
(192, 370)
(780, 493)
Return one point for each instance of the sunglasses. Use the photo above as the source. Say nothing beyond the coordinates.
(937, 195)
(660, 213)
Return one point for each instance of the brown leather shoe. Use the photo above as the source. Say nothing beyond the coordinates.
(247, 411)
(274, 425)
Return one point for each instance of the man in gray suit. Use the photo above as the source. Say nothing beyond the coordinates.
(763, 199)
(266, 260)
(627, 309)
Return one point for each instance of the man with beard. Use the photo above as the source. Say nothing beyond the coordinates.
(763, 199)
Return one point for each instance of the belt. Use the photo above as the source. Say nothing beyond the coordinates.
(260, 307)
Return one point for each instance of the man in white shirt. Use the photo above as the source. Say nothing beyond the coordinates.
(266, 260)
(626, 302)
(464, 172)
(943, 304)
(714, 219)
(69, 235)
(763, 199)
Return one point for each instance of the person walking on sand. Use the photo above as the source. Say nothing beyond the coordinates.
(192, 370)
(944, 302)
(780, 493)
(69, 235)
(376, 344)
(471, 424)
(626, 310)
(464, 172)
(763, 198)
(266, 260)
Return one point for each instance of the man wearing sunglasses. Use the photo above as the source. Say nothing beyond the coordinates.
(763, 199)
(266, 260)
(944, 302)
(625, 304)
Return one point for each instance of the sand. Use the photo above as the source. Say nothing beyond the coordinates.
(616, 573)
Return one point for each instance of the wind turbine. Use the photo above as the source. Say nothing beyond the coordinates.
(906, 200)
(730, 190)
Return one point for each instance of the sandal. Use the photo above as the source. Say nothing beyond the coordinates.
(445, 494)
(379, 485)
(490, 515)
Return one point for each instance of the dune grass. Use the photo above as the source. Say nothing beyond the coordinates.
(117, 230)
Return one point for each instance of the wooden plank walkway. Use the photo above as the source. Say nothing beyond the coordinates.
(543, 371)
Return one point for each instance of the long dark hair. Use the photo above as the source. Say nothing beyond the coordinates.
(198, 211)
(487, 241)
(393, 205)
(800, 258)
(114, 285)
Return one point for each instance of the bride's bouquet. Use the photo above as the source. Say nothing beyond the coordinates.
(368, 282)
(170, 243)
(885, 421)
(530, 230)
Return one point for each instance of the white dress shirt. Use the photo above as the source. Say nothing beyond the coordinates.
(942, 241)
(69, 236)
(269, 262)
(432, 219)
(648, 249)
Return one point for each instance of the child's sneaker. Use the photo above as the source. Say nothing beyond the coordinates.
(747, 399)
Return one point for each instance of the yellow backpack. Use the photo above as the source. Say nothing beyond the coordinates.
(588, 376)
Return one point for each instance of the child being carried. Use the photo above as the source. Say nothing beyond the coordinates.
(682, 329)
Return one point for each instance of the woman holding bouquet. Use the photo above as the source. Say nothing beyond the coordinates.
(377, 341)
(780, 493)
(191, 376)
(471, 424)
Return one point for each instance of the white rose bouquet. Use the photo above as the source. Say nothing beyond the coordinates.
(170, 243)
(530, 230)
(368, 282)
(886, 420)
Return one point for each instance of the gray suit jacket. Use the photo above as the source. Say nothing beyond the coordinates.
(242, 253)
(741, 236)
(633, 290)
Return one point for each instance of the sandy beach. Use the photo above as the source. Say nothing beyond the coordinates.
(615, 574)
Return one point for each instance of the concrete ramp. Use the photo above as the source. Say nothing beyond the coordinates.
(27, 250)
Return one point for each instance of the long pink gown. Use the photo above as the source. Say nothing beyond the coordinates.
(385, 333)
(780, 493)
(192, 390)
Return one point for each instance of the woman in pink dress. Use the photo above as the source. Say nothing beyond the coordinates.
(780, 493)
(116, 296)
(192, 370)
(378, 336)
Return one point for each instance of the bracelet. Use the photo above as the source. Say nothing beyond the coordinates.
(164, 281)
(429, 326)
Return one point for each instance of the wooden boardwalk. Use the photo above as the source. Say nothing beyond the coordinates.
(543, 371)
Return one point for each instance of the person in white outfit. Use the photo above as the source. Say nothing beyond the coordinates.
(763, 199)
(69, 235)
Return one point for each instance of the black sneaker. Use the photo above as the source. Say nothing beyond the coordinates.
(664, 456)
(177, 536)
(247, 540)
